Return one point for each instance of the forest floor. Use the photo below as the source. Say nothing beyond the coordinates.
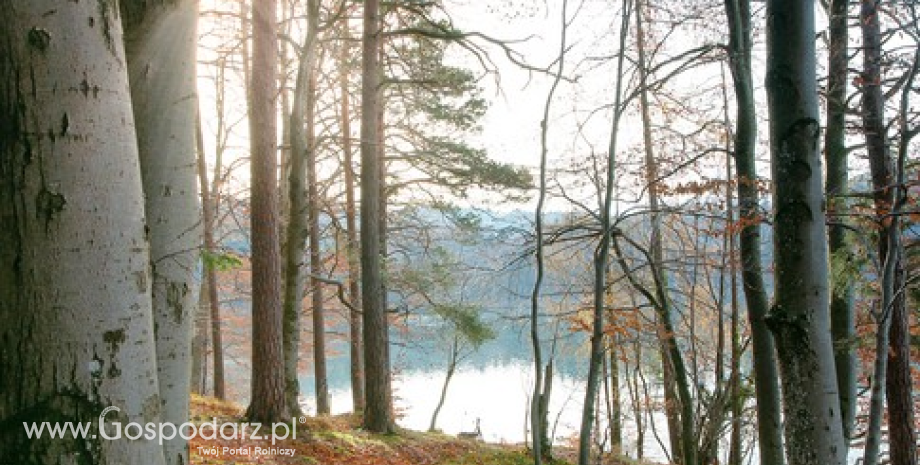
(339, 440)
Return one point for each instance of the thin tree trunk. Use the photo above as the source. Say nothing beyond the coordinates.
(799, 319)
(378, 409)
(452, 359)
(766, 377)
(891, 317)
(901, 416)
(209, 208)
(730, 264)
(616, 402)
(637, 404)
(873, 110)
(678, 402)
(540, 396)
(300, 124)
(76, 318)
(316, 267)
(352, 246)
(843, 320)
(601, 255)
(735, 399)
(202, 318)
(210, 276)
(160, 43)
(268, 403)
(200, 338)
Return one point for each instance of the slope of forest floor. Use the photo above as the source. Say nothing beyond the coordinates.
(339, 440)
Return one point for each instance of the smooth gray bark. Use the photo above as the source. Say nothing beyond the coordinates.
(800, 317)
(76, 324)
(161, 45)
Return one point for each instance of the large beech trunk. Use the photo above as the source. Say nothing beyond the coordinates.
(76, 327)
(800, 319)
(161, 43)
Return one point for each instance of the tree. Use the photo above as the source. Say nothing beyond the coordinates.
(539, 401)
(681, 434)
(76, 316)
(209, 254)
(378, 415)
(602, 253)
(766, 385)
(800, 319)
(352, 247)
(160, 43)
(843, 325)
(899, 386)
(467, 333)
(268, 403)
(303, 145)
(891, 314)
(313, 233)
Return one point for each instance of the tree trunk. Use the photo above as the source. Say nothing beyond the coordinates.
(901, 415)
(268, 401)
(316, 271)
(766, 378)
(161, 45)
(800, 319)
(638, 409)
(209, 202)
(76, 324)
(202, 318)
(542, 388)
(736, 401)
(208, 211)
(200, 342)
(300, 125)
(873, 114)
(313, 212)
(679, 404)
(892, 345)
(452, 359)
(601, 257)
(352, 247)
(616, 401)
(843, 319)
(378, 415)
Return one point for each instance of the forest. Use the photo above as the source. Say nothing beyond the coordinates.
(446, 232)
